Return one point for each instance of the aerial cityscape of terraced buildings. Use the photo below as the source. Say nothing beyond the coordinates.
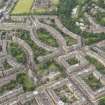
(52, 52)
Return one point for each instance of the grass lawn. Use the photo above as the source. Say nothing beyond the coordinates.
(94, 83)
(69, 40)
(45, 68)
(17, 52)
(39, 10)
(72, 61)
(100, 67)
(22, 79)
(48, 67)
(25, 81)
(22, 6)
(6, 65)
(55, 2)
(100, 18)
(102, 101)
(45, 37)
(65, 94)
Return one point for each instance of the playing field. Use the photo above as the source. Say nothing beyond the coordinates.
(22, 6)
(55, 2)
